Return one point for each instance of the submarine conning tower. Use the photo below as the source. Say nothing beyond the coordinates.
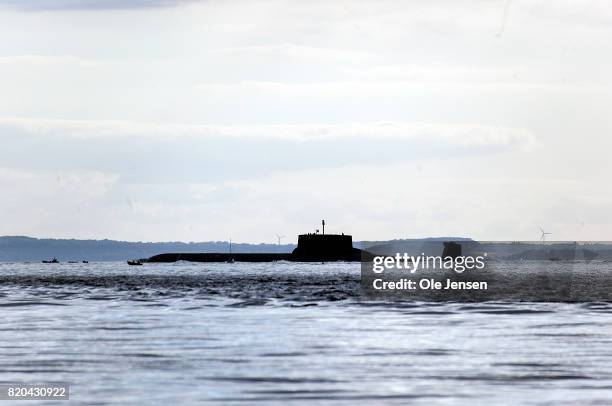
(325, 247)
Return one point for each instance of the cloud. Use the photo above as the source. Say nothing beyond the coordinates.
(166, 153)
(30, 188)
(459, 134)
(300, 53)
(48, 202)
(40, 5)
(588, 13)
(387, 81)
(47, 60)
(395, 201)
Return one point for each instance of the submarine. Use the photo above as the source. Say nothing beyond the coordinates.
(312, 247)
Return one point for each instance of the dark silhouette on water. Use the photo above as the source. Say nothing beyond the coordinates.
(53, 261)
(325, 247)
(311, 248)
(451, 249)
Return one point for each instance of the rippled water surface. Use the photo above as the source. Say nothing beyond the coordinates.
(283, 332)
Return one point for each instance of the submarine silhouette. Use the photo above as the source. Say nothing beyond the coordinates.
(311, 248)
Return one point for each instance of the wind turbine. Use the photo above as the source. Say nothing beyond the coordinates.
(544, 234)
(279, 238)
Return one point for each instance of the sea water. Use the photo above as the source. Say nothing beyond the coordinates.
(283, 333)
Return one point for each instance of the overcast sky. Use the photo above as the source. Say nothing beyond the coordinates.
(200, 120)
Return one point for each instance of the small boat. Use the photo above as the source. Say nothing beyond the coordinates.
(53, 261)
(73, 262)
(134, 262)
(85, 262)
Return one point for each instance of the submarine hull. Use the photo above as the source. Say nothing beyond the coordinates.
(219, 257)
(311, 248)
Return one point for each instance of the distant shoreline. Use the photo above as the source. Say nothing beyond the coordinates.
(28, 249)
